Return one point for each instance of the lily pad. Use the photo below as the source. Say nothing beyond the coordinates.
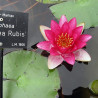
(94, 87)
(27, 76)
(84, 10)
(51, 1)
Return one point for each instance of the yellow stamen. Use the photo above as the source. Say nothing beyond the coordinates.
(64, 40)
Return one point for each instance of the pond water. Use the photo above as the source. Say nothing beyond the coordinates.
(74, 81)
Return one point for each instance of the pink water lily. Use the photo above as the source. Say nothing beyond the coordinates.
(64, 42)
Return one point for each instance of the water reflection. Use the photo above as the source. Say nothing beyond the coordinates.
(68, 66)
(79, 92)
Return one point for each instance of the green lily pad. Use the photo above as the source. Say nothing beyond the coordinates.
(28, 76)
(84, 10)
(94, 87)
(51, 1)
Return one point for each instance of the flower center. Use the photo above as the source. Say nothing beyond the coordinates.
(64, 40)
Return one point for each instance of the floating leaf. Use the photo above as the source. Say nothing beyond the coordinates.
(51, 1)
(84, 10)
(28, 76)
(94, 87)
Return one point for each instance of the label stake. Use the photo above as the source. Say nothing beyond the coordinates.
(1, 73)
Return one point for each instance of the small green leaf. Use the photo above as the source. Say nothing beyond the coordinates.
(51, 1)
(28, 76)
(94, 87)
(84, 10)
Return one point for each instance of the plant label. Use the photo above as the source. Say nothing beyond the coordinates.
(13, 29)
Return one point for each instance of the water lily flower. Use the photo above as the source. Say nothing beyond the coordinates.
(64, 41)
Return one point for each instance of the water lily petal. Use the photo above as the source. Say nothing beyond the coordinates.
(80, 44)
(55, 27)
(65, 27)
(45, 45)
(69, 58)
(73, 48)
(62, 50)
(70, 32)
(82, 55)
(85, 37)
(54, 61)
(62, 20)
(54, 51)
(72, 23)
(42, 29)
(77, 32)
(49, 34)
(81, 24)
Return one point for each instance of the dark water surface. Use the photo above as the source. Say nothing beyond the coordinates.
(74, 82)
